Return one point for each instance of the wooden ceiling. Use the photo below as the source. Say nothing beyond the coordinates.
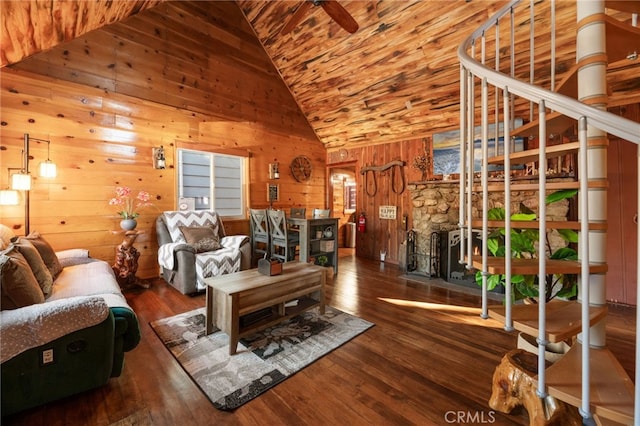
(29, 27)
(395, 79)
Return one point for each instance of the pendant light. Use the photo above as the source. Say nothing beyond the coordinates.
(48, 168)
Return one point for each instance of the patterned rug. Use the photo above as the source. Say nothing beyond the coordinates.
(263, 360)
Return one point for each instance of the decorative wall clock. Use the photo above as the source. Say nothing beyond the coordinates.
(301, 168)
(343, 154)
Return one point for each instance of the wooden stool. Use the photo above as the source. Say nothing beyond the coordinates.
(514, 384)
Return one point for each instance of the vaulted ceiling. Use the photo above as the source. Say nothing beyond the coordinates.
(394, 79)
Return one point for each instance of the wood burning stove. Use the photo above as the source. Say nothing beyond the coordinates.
(454, 271)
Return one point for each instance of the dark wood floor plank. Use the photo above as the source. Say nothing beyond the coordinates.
(428, 358)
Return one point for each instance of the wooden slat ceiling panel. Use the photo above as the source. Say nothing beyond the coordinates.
(395, 79)
(32, 26)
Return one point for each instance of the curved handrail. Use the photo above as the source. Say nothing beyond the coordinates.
(604, 120)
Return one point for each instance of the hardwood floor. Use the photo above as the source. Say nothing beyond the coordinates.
(428, 360)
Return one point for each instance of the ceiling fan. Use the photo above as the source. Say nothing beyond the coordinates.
(331, 7)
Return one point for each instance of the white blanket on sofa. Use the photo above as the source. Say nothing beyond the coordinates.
(36, 325)
(81, 297)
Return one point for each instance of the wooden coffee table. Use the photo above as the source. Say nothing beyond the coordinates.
(231, 296)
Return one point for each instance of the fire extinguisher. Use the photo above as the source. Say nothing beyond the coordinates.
(362, 223)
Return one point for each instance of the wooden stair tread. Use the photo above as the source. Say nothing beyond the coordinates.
(622, 39)
(495, 265)
(533, 224)
(533, 155)
(563, 318)
(612, 391)
(557, 123)
(497, 187)
(629, 6)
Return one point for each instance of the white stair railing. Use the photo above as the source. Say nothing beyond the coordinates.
(514, 90)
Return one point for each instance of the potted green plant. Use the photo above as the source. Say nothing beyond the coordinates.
(322, 260)
(523, 245)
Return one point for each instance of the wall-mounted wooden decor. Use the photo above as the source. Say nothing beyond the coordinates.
(273, 192)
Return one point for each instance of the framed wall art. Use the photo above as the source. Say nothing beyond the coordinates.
(446, 148)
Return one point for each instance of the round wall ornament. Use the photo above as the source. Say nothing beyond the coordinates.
(301, 168)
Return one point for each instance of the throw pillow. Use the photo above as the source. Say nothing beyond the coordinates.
(202, 238)
(174, 220)
(6, 234)
(47, 253)
(18, 285)
(39, 269)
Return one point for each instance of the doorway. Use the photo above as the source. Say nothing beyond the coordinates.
(341, 197)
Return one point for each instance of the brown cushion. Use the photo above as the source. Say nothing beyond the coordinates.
(6, 234)
(202, 238)
(47, 253)
(39, 269)
(18, 285)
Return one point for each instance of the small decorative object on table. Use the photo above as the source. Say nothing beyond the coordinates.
(327, 245)
(269, 267)
(328, 232)
(128, 224)
(383, 255)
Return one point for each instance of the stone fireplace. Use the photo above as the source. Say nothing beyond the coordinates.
(435, 210)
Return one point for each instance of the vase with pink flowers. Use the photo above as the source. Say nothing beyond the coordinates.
(129, 205)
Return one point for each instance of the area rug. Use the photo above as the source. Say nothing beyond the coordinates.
(263, 360)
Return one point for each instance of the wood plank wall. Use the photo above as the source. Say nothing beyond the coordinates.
(383, 234)
(176, 75)
(100, 140)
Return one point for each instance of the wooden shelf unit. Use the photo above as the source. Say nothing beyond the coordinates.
(311, 246)
(563, 318)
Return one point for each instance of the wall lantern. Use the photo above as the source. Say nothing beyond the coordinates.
(159, 161)
(274, 171)
(48, 168)
(8, 196)
(21, 181)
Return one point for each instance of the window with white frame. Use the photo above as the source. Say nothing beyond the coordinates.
(212, 181)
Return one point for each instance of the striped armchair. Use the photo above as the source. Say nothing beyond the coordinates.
(193, 246)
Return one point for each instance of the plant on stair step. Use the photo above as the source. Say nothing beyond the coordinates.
(524, 246)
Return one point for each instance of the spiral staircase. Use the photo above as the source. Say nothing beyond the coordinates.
(588, 376)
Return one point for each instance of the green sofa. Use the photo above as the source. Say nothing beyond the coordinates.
(71, 341)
